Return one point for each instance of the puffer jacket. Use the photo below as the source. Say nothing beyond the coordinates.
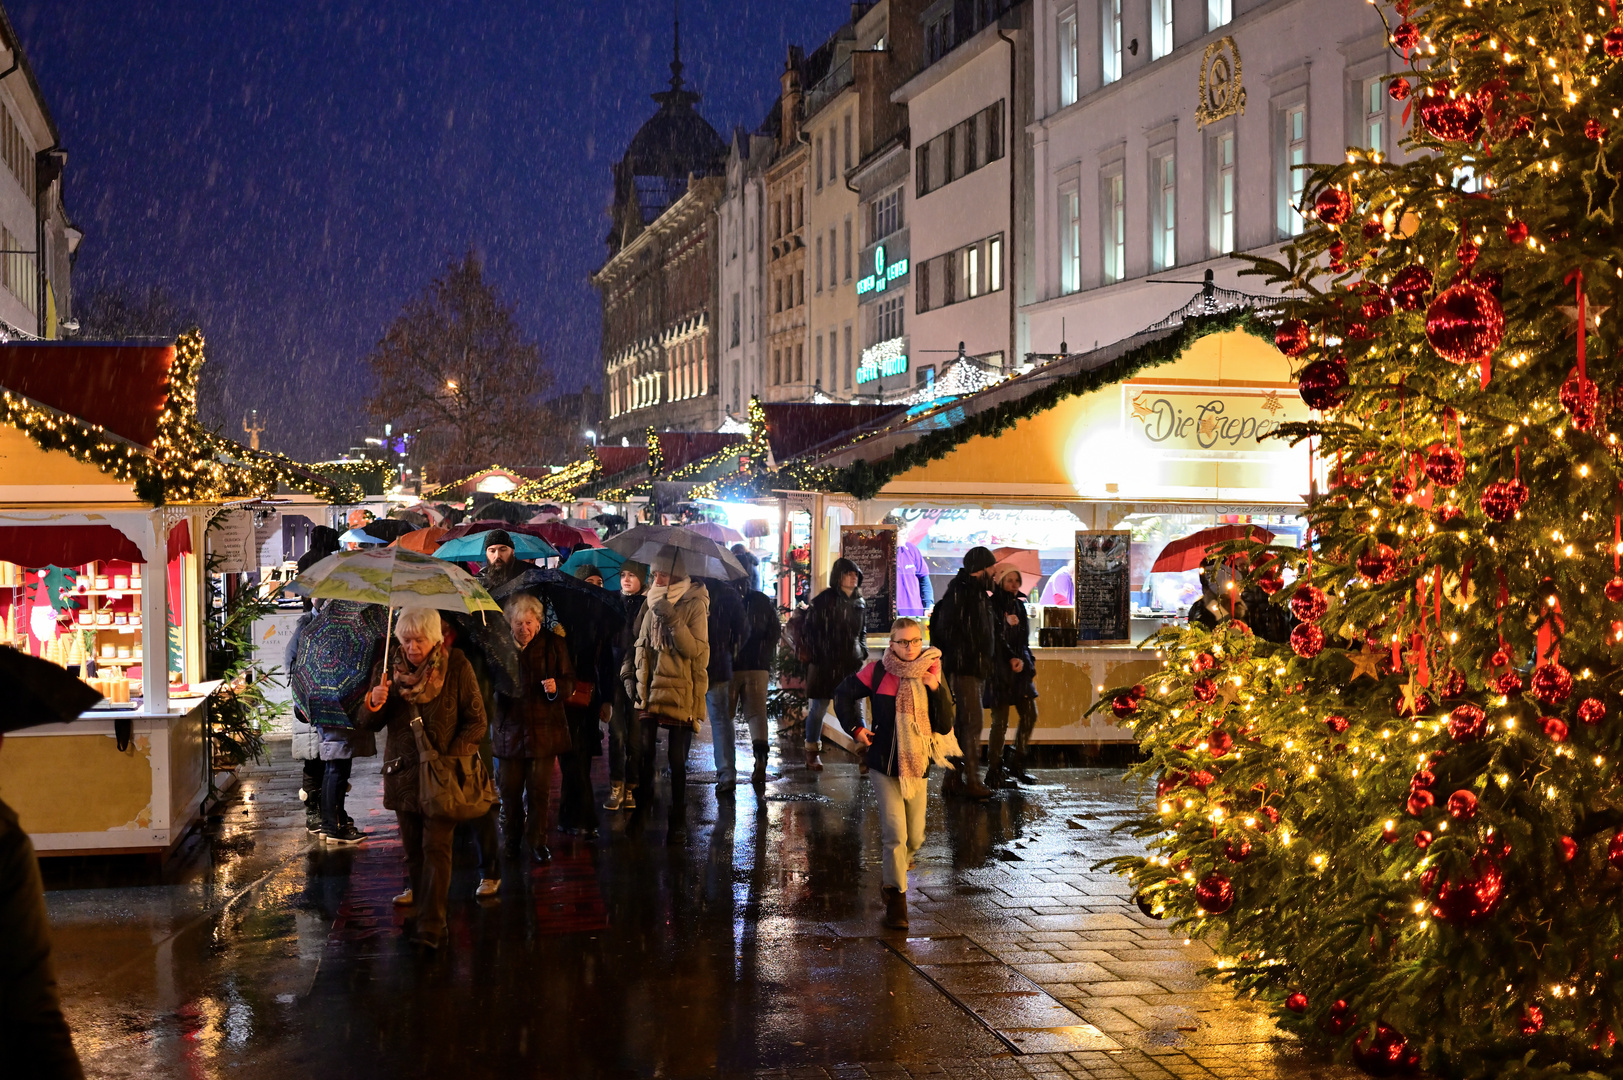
(671, 680)
(961, 627)
(454, 722)
(834, 633)
(531, 726)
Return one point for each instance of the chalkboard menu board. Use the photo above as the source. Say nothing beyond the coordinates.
(1101, 586)
(873, 549)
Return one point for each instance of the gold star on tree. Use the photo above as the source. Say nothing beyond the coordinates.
(1411, 698)
(1228, 692)
(1365, 662)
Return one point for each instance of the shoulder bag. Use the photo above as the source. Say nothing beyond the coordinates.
(452, 788)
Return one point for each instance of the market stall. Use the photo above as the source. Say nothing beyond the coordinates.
(1158, 441)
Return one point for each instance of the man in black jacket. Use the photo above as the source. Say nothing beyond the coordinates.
(752, 670)
(728, 629)
(837, 645)
(961, 627)
(501, 563)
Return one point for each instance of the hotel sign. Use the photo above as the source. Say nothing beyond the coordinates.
(883, 273)
(1208, 420)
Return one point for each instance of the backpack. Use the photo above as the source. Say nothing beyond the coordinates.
(796, 631)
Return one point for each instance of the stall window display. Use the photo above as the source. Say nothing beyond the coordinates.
(85, 618)
(1167, 593)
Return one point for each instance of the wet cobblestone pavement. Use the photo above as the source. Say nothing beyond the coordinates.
(742, 941)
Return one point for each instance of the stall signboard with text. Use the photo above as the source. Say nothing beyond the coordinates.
(231, 545)
(1209, 421)
(1103, 562)
(873, 549)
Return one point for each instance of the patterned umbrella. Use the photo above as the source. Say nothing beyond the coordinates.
(337, 649)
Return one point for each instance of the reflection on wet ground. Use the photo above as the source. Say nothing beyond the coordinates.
(741, 939)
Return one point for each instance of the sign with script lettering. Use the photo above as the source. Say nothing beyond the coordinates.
(1217, 420)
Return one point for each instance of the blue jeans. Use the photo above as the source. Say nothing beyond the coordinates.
(816, 709)
(718, 704)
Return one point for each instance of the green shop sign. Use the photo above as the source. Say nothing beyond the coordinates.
(883, 273)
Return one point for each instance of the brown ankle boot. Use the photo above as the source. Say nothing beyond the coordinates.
(814, 760)
(895, 908)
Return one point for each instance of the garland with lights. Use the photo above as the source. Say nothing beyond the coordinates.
(656, 453)
(1404, 828)
(470, 478)
(561, 485)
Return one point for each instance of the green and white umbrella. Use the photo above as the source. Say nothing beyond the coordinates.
(393, 578)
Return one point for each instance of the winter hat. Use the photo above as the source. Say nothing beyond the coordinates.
(636, 570)
(498, 536)
(977, 559)
(587, 570)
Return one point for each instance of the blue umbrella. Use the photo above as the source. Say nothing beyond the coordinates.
(471, 548)
(607, 563)
(360, 536)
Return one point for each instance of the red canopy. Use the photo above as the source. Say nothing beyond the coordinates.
(120, 387)
(65, 545)
(1188, 553)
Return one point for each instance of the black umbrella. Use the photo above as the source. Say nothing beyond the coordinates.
(511, 512)
(388, 529)
(38, 692)
(614, 523)
(487, 634)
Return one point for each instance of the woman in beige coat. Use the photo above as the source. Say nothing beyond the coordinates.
(664, 673)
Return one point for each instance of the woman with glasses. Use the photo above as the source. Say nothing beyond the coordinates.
(909, 704)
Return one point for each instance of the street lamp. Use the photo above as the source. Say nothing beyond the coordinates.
(592, 435)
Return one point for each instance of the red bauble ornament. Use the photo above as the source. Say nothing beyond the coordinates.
(1398, 89)
(1310, 603)
(1200, 779)
(1450, 119)
(1203, 661)
(1205, 690)
(1462, 804)
(1297, 1002)
(1270, 582)
(1552, 684)
(1390, 835)
(1532, 1020)
(1471, 898)
(1420, 800)
(1614, 590)
(1581, 399)
(1593, 130)
(1272, 814)
(1509, 683)
(1307, 641)
(1554, 727)
(1422, 703)
(1516, 232)
(1410, 287)
(1332, 205)
(1405, 35)
(1467, 722)
(1422, 839)
(1445, 464)
(1139, 692)
(1613, 43)
(1591, 710)
(1170, 781)
(1382, 1054)
(1237, 851)
(1339, 1019)
(1425, 778)
(1323, 383)
(1336, 250)
(1504, 499)
(1292, 337)
(1465, 323)
(1569, 848)
(1219, 743)
(1214, 893)
(1123, 706)
(1337, 724)
(1452, 685)
(1467, 254)
(1402, 487)
(1614, 850)
(1501, 656)
(1378, 563)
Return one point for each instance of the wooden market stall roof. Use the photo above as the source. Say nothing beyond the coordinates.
(121, 388)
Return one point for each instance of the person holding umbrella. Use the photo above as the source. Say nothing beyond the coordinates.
(666, 671)
(424, 679)
(1012, 683)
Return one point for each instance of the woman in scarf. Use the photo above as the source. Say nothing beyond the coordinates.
(426, 679)
(665, 672)
(531, 729)
(909, 704)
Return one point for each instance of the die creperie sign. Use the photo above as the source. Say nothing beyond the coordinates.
(1221, 420)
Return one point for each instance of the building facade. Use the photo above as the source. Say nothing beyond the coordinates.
(784, 299)
(742, 274)
(660, 286)
(37, 239)
(970, 187)
(1167, 138)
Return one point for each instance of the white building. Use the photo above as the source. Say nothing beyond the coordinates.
(967, 205)
(1165, 139)
(742, 274)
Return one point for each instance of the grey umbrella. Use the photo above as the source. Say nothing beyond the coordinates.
(701, 556)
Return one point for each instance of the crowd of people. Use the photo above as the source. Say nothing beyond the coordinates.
(663, 655)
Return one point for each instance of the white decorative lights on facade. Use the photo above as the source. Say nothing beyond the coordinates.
(883, 360)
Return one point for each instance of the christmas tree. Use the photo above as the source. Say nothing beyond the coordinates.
(1404, 826)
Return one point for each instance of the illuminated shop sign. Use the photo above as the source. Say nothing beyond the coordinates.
(883, 273)
(883, 360)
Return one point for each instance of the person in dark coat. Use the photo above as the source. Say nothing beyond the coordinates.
(590, 642)
(501, 563)
(752, 672)
(1012, 684)
(531, 730)
(306, 739)
(430, 680)
(728, 628)
(908, 704)
(834, 638)
(623, 756)
(33, 1031)
(961, 627)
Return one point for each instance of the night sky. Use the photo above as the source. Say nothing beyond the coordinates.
(294, 171)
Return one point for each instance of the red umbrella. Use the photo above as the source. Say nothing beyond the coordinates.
(1025, 560)
(555, 533)
(1190, 552)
